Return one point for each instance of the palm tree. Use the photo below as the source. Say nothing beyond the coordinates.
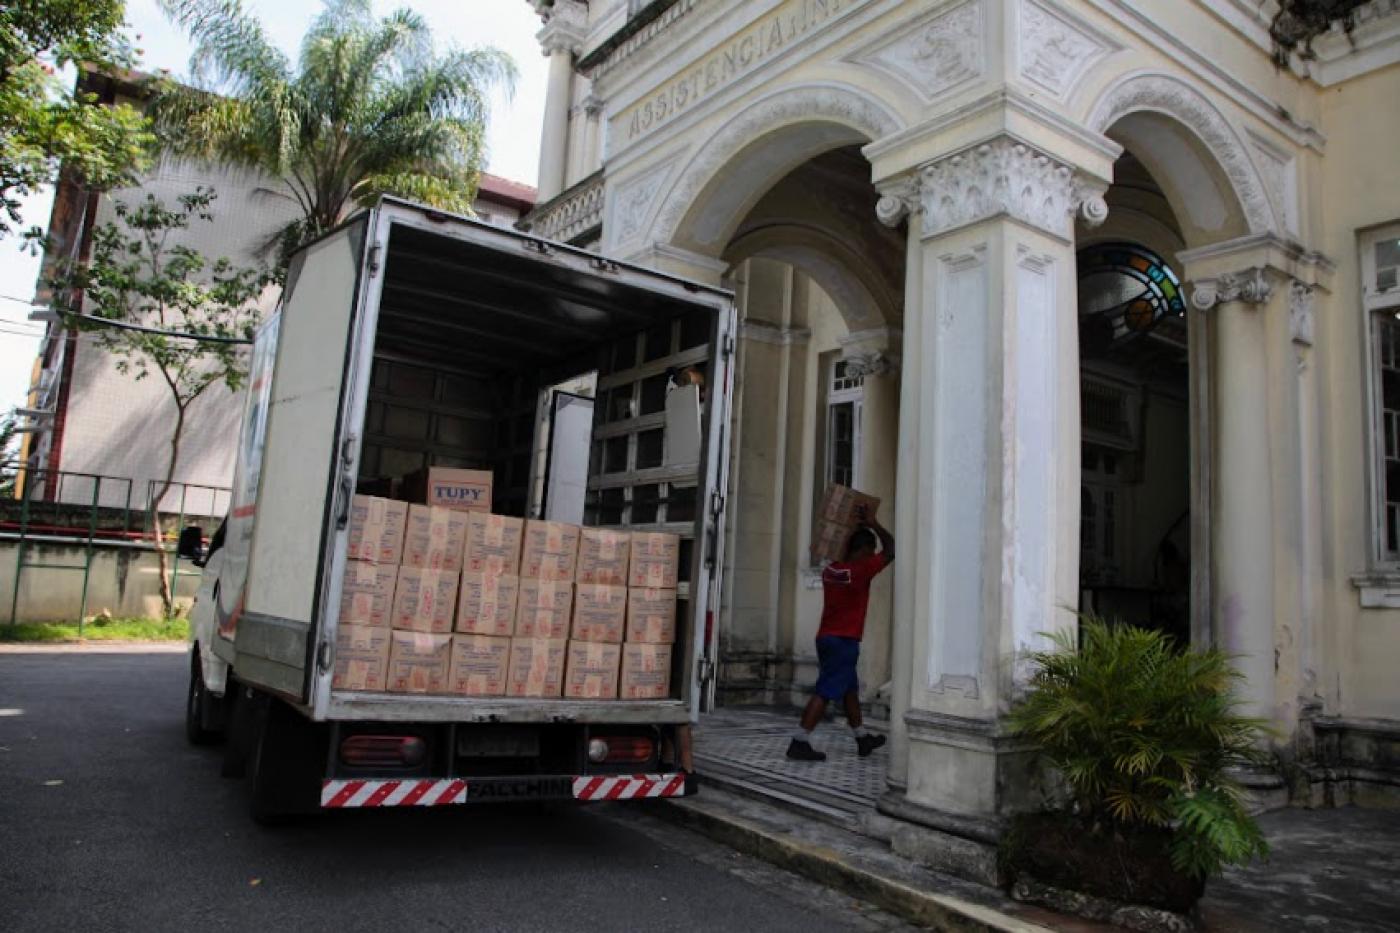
(371, 108)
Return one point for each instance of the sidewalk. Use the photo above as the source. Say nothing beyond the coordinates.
(1330, 869)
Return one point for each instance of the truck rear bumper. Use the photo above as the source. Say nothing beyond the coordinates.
(433, 792)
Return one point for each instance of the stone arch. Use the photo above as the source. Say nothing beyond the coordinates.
(1144, 102)
(761, 144)
(832, 264)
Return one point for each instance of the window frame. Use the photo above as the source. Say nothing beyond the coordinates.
(848, 394)
(1379, 308)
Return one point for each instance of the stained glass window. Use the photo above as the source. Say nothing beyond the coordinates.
(1124, 292)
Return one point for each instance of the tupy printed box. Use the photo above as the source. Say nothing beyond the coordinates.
(479, 666)
(493, 543)
(486, 604)
(418, 662)
(591, 671)
(600, 612)
(542, 609)
(367, 593)
(376, 529)
(646, 672)
(836, 520)
(461, 490)
(536, 667)
(361, 657)
(602, 556)
(550, 550)
(435, 538)
(651, 616)
(656, 560)
(424, 600)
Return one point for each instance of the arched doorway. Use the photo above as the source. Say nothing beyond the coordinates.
(819, 283)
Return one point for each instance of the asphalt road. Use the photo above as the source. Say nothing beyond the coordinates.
(110, 821)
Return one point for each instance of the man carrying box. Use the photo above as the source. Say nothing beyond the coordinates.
(845, 595)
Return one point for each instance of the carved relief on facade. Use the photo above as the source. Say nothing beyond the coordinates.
(1278, 171)
(937, 53)
(1053, 52)
(631, 208)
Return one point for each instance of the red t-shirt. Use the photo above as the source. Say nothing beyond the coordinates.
(846, 592)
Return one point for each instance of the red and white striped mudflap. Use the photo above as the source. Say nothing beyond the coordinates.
(430, 792)
(628, 786)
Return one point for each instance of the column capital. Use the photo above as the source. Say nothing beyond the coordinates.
(592, 104)
(565, 26)
(1003, 175)
(873, 352)
(1250, 286)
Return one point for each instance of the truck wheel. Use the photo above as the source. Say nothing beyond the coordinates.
(198, 707)
(286, 764)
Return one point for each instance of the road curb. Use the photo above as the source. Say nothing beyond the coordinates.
(829, 866)
(94, 647)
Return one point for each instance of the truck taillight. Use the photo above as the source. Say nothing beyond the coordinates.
(378, 751)
(615, 749)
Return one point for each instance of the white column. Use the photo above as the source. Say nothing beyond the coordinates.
(989, 428)
(562, 36)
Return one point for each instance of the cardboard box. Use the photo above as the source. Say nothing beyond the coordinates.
(542, 609)
(536, 667)
(435, 538)
(447, 488)
(591, 672)
(361, 657)
(656, 560)
(424, 600)
(651, 616)
(479, 666)
(602, 556)
(367, 593)
(418, 662)
(486, 604)
(600, 613)
(493, 543)
(835, 520)
(376, 529)
(550, 550)
(646, 672)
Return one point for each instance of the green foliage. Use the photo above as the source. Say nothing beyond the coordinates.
(44, 126)
(1144, 734)
(1297, 23)
(9, 451)
(371, 108)
(99, 628)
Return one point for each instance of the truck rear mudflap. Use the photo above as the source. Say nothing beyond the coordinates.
(437, 792)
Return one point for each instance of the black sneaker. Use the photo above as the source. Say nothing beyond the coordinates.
(865, 744)
(799, 750)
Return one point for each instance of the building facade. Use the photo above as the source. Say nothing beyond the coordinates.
(1099, 300)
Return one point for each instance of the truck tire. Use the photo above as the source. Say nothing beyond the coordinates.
(286, 763)
(200, 716)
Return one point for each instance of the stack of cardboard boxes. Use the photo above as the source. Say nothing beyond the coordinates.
(451, 599)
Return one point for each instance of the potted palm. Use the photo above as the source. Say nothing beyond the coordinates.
(1144, 737)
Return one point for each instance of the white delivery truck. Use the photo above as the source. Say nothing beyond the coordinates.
(406, 338)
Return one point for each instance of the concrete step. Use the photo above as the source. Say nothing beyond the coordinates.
(858, 865)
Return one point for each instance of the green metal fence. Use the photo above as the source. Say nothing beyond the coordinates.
(91, 511)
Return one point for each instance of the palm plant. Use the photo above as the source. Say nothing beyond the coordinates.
(370, 109)
(1145, 735)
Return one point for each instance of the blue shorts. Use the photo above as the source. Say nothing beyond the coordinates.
(837, 657)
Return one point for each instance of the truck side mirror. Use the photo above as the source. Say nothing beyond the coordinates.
(191, 543)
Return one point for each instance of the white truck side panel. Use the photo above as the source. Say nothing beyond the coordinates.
(301, 431)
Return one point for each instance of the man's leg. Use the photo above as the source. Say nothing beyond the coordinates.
(800, 748)
(866, 742)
